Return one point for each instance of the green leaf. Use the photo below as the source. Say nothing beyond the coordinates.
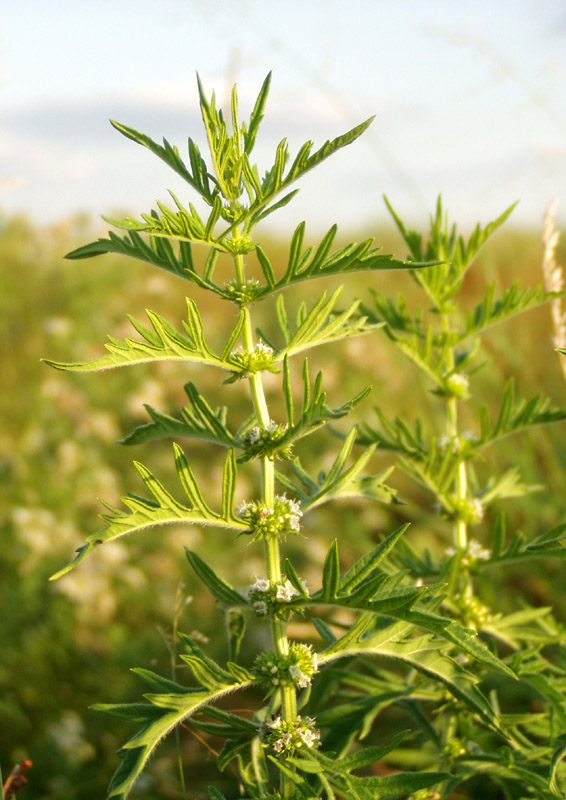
(551, 542)
(170, 155)
(366, 565)
(156, 251)
(197, 420)
(356, 718)
(422, 653)
(352, 786)
(256, 116)
(314, 413)
(557, 757)
(516, 416)
(163, 343)
(206, 671)
(330, 573)
(511, 302)
(444, 245)
(219, 588)
(159, 717)
(214, 794)
(320, 325)
(392, 785)
(236, 625)
(157, 682)
(320, 262)
(232, 749)
(340, 481)
(323, 630)
(163, 509)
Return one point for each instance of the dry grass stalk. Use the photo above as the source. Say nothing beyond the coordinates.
(554, 279)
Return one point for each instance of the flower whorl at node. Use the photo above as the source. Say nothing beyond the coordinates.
(458, 445)
(296, 668)
(265, 522)
(476, 615)
(454, 749)
(269, 598)
(242, 293)
(456, 385)
(474, 552)
(286, 737)
(469, 510)
(250, 361)
(263, 442)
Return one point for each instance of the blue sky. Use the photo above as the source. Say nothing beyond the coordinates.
(469, 98)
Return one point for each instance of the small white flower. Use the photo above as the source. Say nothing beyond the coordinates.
(283, 741)
(295, 508)
(260, 608)
(458, 381)
(478, 508)
(263, 348)
(274, 723)
(299, 678)
(242, 508)
(286, 591)
(260, 585)
(451, 551)
(253, 435)
(309, 737)
(477, 551)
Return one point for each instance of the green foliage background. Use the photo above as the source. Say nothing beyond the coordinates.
(67, 645)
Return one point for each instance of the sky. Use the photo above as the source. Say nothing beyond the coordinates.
(469, 101)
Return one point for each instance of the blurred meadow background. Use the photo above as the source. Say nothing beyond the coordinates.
(469, 101)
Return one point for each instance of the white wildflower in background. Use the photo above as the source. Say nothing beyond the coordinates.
(554, 279)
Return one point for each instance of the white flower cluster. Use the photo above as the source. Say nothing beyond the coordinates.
(266, 441)
(457, 444)
(265, 521)
(242, 293)
(469, 509)
(457, 385)
(247, 362)
(287, 737)
(268, 597)
(474, 552)
(296, 668)
(261, 350)
(254, 435)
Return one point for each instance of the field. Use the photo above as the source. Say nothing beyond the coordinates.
(67, 645)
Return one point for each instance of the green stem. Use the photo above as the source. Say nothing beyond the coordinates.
(460, 528)
(271, 549)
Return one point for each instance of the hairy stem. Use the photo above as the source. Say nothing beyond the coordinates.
(460, 527)
(271, 549)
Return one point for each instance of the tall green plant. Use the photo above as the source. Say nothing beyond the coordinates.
(448, 459)
(399, 652)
